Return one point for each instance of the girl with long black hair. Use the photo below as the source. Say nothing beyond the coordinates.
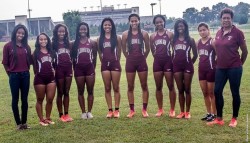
(109, 49)
(135, 47)
(44, 81)
(183, 65)
(62, 46)
(84, 61)
(16, 61)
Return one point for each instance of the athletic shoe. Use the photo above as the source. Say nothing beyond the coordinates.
(49, 121)
(216, 121)
(43, 123)
(110, 114)
(181, 115)
(90, 116)
(171, 113)
(159, 113)
(68, 118)
(144, 113)
(63, 119)
(205, 117)
(25, 126)
(84, 116)
(19, 127)
(210, 118)
(131, 114)
(116, 114)
(233, 123)
(187, 115)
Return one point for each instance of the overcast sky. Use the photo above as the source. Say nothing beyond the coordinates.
(55, 8)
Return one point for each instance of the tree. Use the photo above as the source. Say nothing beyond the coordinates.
(241, 12)
(190, 15)
(71, 20)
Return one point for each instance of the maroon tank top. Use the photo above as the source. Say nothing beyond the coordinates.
(135, 52)
(181, 52)
(206, 55)
(44, 64)
(84, 53)
(107, 53)
(162, 46)
(63, 56)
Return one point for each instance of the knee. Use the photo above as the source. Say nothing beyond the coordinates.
(49, 100)
(187, 91)
(159, 88)
(90, 97)
(39, 100)
(144, 87)
(80, 92)
(116, 89)
(130, 88)
(107, 89)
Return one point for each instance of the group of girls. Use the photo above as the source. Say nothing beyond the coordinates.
(53, 62)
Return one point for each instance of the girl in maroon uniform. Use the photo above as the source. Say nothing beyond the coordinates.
(135, 47)
(16, 62)
(44, 81)
(183, 65)
(62, 47)
(109, 49)
(160, 43)
(84, 60)
(206, 69)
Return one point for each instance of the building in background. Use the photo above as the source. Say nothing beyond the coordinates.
(34, 26)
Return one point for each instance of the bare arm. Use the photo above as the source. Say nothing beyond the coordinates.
(119, 46)
(146, 41)
(94, 43)
(151, 42)
(124, 43)
(99, 50)
(194, 50)
(243, 53)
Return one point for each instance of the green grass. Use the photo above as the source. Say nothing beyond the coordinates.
(138, 129)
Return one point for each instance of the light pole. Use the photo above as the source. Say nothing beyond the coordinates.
(160, 6)
(29, 10)
(125, 5)
(152, 5)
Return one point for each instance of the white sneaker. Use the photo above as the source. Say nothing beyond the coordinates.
(84, 116)
(90, 116)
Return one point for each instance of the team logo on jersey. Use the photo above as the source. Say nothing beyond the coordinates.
(230, 37)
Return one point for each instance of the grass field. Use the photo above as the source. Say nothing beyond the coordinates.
(138, 129)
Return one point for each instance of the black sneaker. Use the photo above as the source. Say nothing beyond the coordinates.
(210, 118)
(19, 127)
(25, 126)
(206, 116)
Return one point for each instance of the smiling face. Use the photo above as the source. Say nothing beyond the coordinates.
(107, 26)
(134, 22)
(159, 23)
(203, 31)
(43, 41)
(20, 34)
(226, 20)
(83, 30)
(181, 28)
(61, 32)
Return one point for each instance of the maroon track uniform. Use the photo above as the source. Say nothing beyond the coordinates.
(162, 54)
(22, 64)
(181, 60)
(110, 61)
(136, 60)
(63, 62)
(84, 65)
(227, 48)
(44, 69)
(206, 61)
